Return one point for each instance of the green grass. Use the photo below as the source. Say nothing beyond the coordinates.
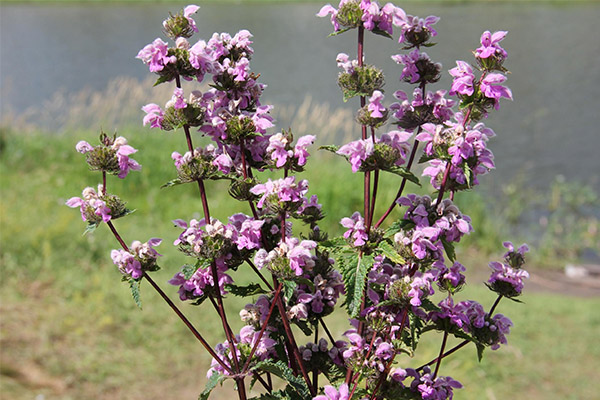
(70, 329)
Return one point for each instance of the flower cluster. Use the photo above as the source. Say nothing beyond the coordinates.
(429, 225)
(384, 153)
(111, 156)
(434, 107)
(418, 67)
(463, 146)
(366, 13)
(281, 195)
(96, 206)
(141, 257)
(280, 150)
(507, 278)
(291, 258)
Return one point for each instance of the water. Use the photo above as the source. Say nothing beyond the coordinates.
(552, 127)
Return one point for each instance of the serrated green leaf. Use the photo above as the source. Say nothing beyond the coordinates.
(134, 285)
(304, 326)
(91, 227)
(402, 225)
(449, 249)
(213, 381)
(304, 281)
(333, 243)
(288, 289)
(339, 32)
(161, 79)
(355, 274)
(383, 33)
(468, 176)
(245, 291)
(428, 305)
(173, 182)
(330, 147)
(388, 250)
(189, 270)
(296, 384)
(480, 349)
(424, 158)
(405, 173)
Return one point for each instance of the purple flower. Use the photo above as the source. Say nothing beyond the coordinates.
(410, 72)
(375, 106)
(154, 115)
(123, 151)
(156, 55)
(140, 257)
(91, 206)
(505, 273)
(189, 10)
(357, 152)
(491, 88)
(463, 79)
(356, 229)
(326, 10)
(281, 191)
(332, 393)
(344, 62)
(278, 144)
(489, 45)
(83, 147)
(300, 152)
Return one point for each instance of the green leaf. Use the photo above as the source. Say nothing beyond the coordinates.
(331, 148)
(449, 248)
(304, 326)
(134, 285)
(402, 225)
(296, 384)
(213, 381)
(480, 349)
(340, 32)
(189, 270)
(288, 289)
(171, 183)
(304, 281)
(162, 79)
(332, 243)
(381, 32)
(91, 227)
(355, 274)
(405, 173)
(468, 176)
(245, 291)
(388, 250)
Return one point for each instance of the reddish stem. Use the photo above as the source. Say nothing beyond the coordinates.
(263, 328)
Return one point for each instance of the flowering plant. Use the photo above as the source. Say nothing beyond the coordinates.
(387, 277)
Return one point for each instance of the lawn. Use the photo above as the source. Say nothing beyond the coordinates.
(69, 329)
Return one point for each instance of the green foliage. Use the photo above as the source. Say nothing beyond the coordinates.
(245, 291)
(296, 388)
(134, 285)
(354, 270)
(214, 380)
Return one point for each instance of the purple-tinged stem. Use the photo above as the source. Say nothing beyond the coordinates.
(172, 305)
(354, 380)
(329, 335)
(103, 183)
(260, 275)
(373, 199)
(316, 370)
(389, 364)
(263, 328)
(221, 308)
(292, 341)
(461, 344)
(402, 184)
(439, 361)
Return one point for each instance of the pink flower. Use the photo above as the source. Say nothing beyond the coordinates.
(490, 46)
(154, 115)
(375, 106)
(332, 393)
(189, 10)
(156, 55)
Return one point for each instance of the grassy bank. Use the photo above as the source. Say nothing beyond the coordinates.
(71, 331)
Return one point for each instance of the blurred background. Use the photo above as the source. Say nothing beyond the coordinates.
(69, 329)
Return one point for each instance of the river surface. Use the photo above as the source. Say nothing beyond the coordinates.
(552, 128)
